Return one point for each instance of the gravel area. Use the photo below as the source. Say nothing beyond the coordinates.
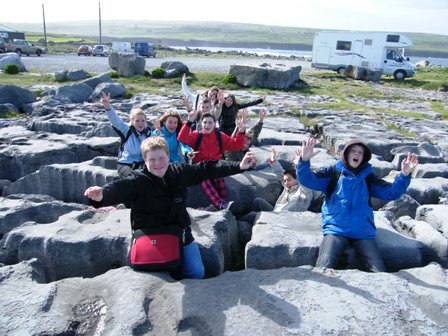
(52, 63)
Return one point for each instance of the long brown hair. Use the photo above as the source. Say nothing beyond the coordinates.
(174, 114)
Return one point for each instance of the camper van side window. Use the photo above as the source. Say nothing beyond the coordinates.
(343, 45)
(393, 38)
(368, 42)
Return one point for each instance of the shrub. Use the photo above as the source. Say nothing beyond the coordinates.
(11, 69)
(147, 74)
(113, 74)
(158, 73)
(230, 79)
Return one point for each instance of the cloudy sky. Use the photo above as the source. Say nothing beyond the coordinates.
(429, 16)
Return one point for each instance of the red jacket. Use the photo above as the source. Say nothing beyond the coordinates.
(209, 146)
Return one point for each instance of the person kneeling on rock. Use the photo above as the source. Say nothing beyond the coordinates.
(294, 197)
(347, 216)
(132, 135)
(157, 195)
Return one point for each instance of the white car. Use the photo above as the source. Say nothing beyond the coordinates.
(100, 50)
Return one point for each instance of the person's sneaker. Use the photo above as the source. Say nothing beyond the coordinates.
(211, 207)
(226, 205)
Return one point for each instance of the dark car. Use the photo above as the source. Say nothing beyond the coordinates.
(85, 50)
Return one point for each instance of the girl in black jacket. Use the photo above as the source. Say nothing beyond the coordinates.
(229, 110)
(157, 194)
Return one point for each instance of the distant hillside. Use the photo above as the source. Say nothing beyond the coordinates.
(217, 34)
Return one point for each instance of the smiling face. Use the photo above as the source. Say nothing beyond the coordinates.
(208, 125)
(229, 101)
(206, 107)
(139, 122)
(157, 161)
(171, 124)
(289, 181)
(355, 156)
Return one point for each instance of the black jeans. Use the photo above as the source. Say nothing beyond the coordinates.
(333, 246)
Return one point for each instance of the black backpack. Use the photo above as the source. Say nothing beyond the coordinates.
(336, 174)
(124, 138)
(199, 139)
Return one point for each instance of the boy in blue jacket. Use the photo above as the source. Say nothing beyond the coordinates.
(347, 217)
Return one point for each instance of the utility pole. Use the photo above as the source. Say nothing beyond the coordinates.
(45, 28)
(99, 12)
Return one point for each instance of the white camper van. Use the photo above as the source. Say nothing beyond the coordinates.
(121, 47)
(370, 50)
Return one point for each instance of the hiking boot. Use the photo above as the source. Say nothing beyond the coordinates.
(211, 207)
(226, 205)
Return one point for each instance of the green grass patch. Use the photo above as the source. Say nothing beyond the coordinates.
(439, 107)
(25, 79)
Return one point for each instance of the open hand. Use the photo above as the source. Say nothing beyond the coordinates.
(308, 149)
(408, 164)
(192, 115)
(248, 161)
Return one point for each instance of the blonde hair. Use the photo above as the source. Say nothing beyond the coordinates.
(135, 112)
(154, 143)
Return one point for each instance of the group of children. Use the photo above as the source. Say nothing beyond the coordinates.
(346, 212)
(200, 139)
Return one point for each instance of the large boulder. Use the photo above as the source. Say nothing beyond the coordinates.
(77, 93)
(174, 69)
(361, 73)
(115, 90)
(11, 58)
(127, 64)
(265, 75)
(16, 95)
(286, 301)
(93, 82)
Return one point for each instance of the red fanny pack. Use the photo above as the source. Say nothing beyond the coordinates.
(156, 249)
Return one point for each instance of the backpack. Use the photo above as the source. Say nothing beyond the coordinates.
(336, 174)
(199, 139)
(124, 138)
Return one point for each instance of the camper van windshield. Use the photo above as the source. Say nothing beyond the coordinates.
(393, 54)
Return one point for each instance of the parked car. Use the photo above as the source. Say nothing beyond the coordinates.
(100, 50)
(85, 50)
(21, 47)
(145, 49)
(2, 45)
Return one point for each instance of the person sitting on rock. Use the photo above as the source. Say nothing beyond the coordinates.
(210, 144)
(196, 99)
(251, 138)
(169, 125)
(132, 135)
(227, 111)
(347, 216)
(205, 107)
(294, 196)
(157, 194)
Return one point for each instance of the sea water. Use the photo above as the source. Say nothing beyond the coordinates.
(307, 54)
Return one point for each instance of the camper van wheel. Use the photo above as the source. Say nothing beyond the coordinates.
(341, 71)
(399, 75)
